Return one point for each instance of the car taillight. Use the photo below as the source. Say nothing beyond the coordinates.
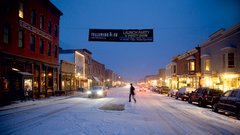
(205, 96)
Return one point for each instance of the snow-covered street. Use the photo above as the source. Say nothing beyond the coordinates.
(153, 114)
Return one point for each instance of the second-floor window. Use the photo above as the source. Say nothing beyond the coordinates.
(231, 60)
(41, 46)
(41, 22)
(191, 65)
(49, 27)
(33, 17)
(20, 11)
(55, 51)
(32, 43)
(56, 30)
(174, 69)
(207, 65)
(6, 34)
(49, 49)
(20, 39)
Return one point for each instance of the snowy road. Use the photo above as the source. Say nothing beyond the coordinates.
(153, 114)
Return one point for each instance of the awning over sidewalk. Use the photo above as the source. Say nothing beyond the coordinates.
(96, 79)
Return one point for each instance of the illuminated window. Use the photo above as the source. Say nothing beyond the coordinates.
(230, 60)
(32, 43)
(20, 39)
(41, 46)
(6, 34)
(20, 12)
(192, 66)
(207, 65)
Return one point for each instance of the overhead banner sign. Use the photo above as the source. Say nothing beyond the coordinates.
(117, 35)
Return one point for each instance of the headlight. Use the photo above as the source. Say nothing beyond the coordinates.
(99, 92)
(89, 92)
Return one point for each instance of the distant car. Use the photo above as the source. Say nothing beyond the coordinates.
(229, 102)
(172, 92)
(184, 92)
(97, 91)
(204, 96)
(163, 90)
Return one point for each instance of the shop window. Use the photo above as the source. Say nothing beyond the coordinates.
(41, 46)
(207, 65)
(20, 38)
(6, 34)
(32, 43)
(20, 11)
(33, 17)
(41, 22)
(49, 49)
(231, 60)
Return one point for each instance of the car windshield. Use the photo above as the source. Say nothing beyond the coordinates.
(96, 88)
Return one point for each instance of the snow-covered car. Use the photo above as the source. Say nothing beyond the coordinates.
(97, 91)
(172, 92)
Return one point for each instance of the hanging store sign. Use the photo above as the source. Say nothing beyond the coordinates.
(117, 35)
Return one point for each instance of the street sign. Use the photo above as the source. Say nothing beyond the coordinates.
(119, 35)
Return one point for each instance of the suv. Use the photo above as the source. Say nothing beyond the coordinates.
(204, 96)
(163, 90)
(229, 101)
(184, 92)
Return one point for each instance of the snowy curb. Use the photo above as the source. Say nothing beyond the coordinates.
(31, 103)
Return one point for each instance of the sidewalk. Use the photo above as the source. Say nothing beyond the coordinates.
(19, 104)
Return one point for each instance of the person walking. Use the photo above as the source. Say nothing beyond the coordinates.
(132, 93)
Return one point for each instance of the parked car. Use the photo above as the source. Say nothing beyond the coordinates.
(163, 90)
(184, 92)
(228, 102)
(204, 96)
(172, 92)
(97, 91)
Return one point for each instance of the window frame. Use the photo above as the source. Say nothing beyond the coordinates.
(22, 38)
(32, 43)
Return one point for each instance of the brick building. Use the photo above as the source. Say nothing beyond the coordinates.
(29, 31)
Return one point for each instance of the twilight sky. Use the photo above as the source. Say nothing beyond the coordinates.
(178, 25)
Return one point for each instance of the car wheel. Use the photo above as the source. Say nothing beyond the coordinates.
(176, 97)
(182, 98)
(214, 108)
(200, 103)
(189, 100)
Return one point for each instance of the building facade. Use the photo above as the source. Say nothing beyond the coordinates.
(98, 73)
(189, 68)
(29, 43)
(220, 58)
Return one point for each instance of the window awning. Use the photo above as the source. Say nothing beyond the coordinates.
(191, 58)
(228, 48)
(25, 73)
(96, 79)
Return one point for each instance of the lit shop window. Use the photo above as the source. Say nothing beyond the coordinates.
(20, 12)
(192, 66)
(207, 65)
